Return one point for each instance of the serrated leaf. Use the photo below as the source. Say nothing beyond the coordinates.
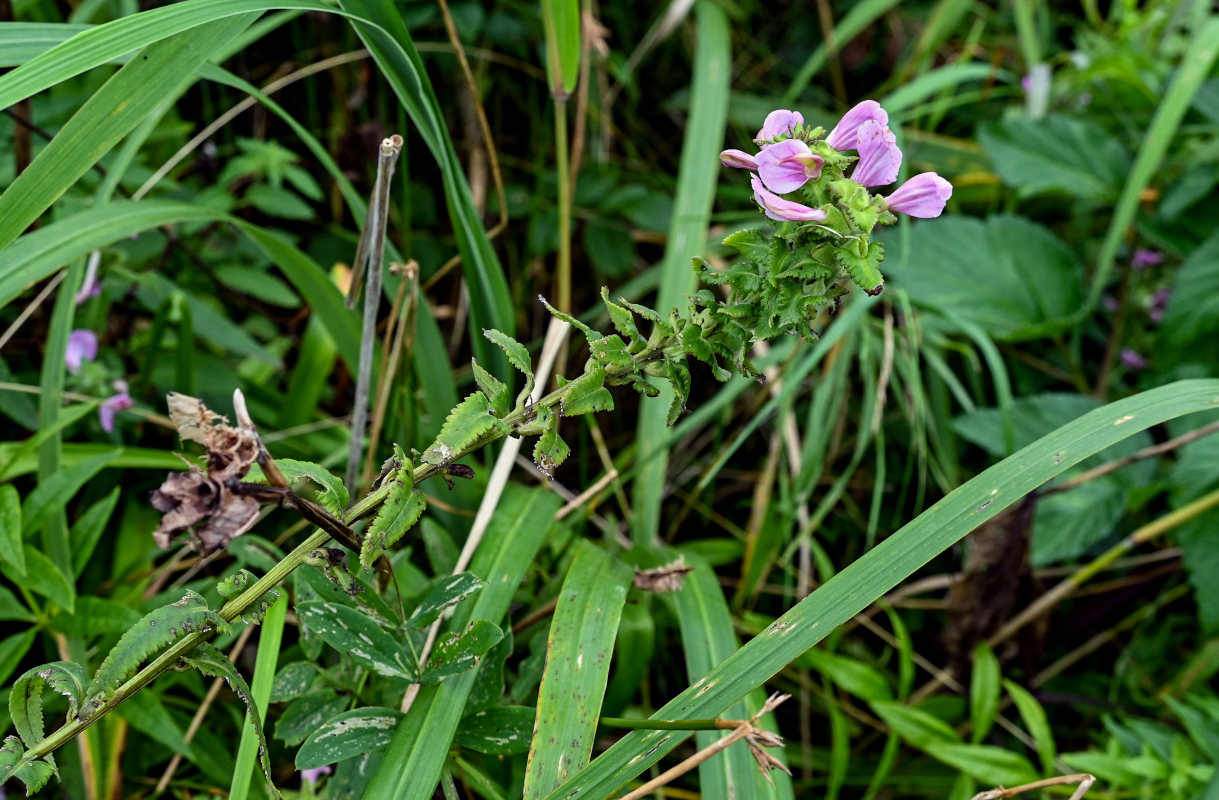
(208, 659)
(238, 582)
(587, 393)
(498, 731)
(358, 637)
(542, 421)
(401, 509)
(333, 495)
(455, 653)
(496, 391)
(864, 268)
(679, 379)
(750, 243)
(292, 681)
(305, 714)
(465, 424)
(34, 774)
(611, 352)
(589, 333)
(25, 699)
(623, 321)
(362, 730)
(550, 450)
(12, 550)
(153, 633)
(447, 591)
(518, 357)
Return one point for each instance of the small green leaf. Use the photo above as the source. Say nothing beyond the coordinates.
(293, 680)
(53, 494)
(496, 391)
(550, 450)
(465, 424)
(990, 765)
(854, 676)
(1038, 725)
(208, 659)
(446, 591)
(498, 731)
(588, 332)
(12, 550)
(34, 774)
(587, 393)
(25, 699)
(357, 636)
(611, 351)
(401, 510)
(864, 267)
(983, 692)
(43, 576)
(623, 321)
(456, 653)
(915, 726)
(362, 730)
(95, 616)
(306, 714)
(518, 357)
(238, 582)
(88, 529)
(333, 495)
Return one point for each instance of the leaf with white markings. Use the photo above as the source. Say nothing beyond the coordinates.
(25, 699)
(498, 731)
(359, 637)
(293, 680)
(305, 714)
(464, 426)
(456, 653)
(362, 730)
(34, 774)
(401, 510)
(155, 632)
(447, 591)
(238, 582)
(208, 659)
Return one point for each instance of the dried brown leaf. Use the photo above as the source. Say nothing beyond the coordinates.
(668, 578)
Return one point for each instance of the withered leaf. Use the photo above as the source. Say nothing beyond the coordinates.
(668, 578)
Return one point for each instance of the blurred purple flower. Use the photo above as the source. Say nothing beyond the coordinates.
(780, 122)
(315, 774)
(91, 288)
(1144, 258)
(879, 156)
(924, 195)
(738, 159)
(82, 347)
(845, 135)
(788, 165)
(1159, 302)
(779, 209)
(1132, 360)
(111, 406)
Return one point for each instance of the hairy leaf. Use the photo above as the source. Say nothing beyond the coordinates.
(550, 450)
(589, 333)
(447, 591)
(518, 357)
(34, 774)
(400, 511)
(587, 393)
(623, 321)
(238, 582)
(463, 427)
(333, 494)
(496, 390)
(25, 698)
(357, 636)
(455, 653)
(351, 733)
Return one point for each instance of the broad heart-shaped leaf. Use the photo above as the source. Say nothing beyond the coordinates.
(446, 591)
(397, 514)
(333, 494)
(1057, 154)
(1065, 524)
(497, 731)
(357, 636)
(1010, 276)
(34, 774)
(25, 699)
(351, 733)
(455, 653)
(208, 659)
(586, 393)
(153, 633)
(463, 427)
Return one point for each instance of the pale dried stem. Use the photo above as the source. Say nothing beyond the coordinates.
(1084, 780)
(1146, 452)
(34, 305)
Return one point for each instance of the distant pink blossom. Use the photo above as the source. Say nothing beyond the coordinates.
(91, 288)
(1110, 303)
(1158, 304)
(924, 195)
(879, 156)
(738, 159)
(111, 406)
(788, 165)
(82, 347)
(846, 133)
(779, 123)
(1144, 258)
(1133, 360)
(315, 774)
(779, 209)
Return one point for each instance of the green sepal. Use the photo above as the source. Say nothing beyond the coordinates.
(623, 321)
(34, 774)
(464, 426)
(496, 391)
(864, 267)
(587, 393)
(401, 510)
(208, 659)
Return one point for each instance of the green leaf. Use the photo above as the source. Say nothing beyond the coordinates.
(589, 333)
(12, 548)
(154, 632)
(914, 725)
(518, 357)
(1192, 316)
(623, 321)
(852, 675)
(11, 608)
(1006, 274)
(13, 649)
(864, 269)
(208, 659)
(462, 429)
(358, 637)
(95, 616)
(306, 714)
(1036, 723)
(561, 24)
(1056, 154)
(362, 730)
(498, 731)
(43, 576)
(52, 494)
(88, 529)
(333, 495)
(983, 692)
(990, 765)
(577, 667)
(445, 592)
(293, 680)
(67, 416)
(587, 393)
(611, 351)
(238, 582)
(455, 653)
(401, 510)
(550, 450)
(34, 774)
(257, 284)
(496, 390)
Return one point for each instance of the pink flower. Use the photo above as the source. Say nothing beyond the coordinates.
(738, 159)
(1144, 258)
(879, 156)
(111, 406)
(315, 774)
(1159, 302)
(82, 347)
(788, 165)
(779, 123)
(1133, 360)
(90, 289)
(779, 209)
(846, 133)
(924, 195)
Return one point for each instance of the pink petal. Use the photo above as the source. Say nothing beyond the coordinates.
(110, 408)
(879, 156)
(738, 159)
(924, 195)
(846, 132)
(82, 347)
(778, 123)
(782, 210)
(788, 165)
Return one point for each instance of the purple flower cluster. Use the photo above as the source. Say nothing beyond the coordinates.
(82, 347)
(786, 162)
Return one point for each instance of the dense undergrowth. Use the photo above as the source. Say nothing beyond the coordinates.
(168, 228)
